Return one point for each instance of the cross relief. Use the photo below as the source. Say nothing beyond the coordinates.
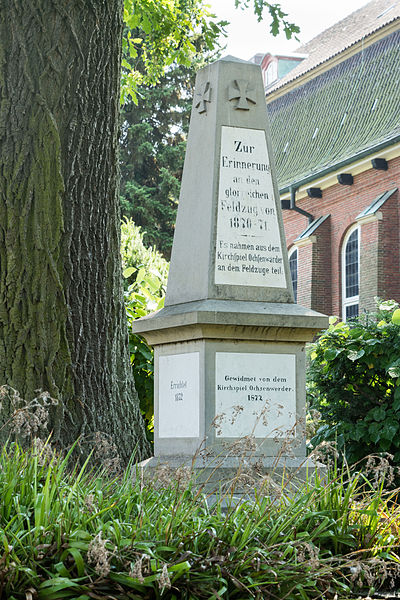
(203, 96)
(239, 90)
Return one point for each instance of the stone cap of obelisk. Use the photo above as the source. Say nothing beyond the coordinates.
(229, 241)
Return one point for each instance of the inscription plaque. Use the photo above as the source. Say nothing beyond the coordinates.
(248, 242)
(255, 394)
(178, 410)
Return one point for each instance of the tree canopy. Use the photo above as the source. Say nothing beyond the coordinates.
(164, 32)
(152, 150)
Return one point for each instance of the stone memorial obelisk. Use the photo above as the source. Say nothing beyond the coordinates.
(229, 345)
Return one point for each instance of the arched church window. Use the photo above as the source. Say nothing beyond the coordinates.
(351, 274)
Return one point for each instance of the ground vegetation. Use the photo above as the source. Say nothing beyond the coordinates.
(72, 532)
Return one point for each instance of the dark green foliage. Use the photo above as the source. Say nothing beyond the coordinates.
(353, 381)
(152, 151)
(144, 295)
(76, 533)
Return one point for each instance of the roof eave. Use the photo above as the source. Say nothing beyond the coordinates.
(338, 165)
(286, 86)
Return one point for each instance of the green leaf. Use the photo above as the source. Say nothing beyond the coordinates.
(394, 371)
(375, 432)
(372, 342)
(355, 354)
(77, 556)
(153, 283)
(57, 588)
(396, 402)
(378, 413)
(330, 354)
(179, 568)
(128, 272)
(61, 569)
(145, 24)
(358, 431)
(389, 430)
(396, 317)
(140, 276)
(132, 582)
(356, 332)
(220, 594)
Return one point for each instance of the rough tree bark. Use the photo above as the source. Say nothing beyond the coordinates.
(62, 322)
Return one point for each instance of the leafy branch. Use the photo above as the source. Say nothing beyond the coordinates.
(161, 33)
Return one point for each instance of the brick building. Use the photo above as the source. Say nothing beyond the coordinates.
(335, 126)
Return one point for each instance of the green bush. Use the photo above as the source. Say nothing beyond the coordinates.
(77, 533)
(135, 254)
(145, 272)
(353, 382)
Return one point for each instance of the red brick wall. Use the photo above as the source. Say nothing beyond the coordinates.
(304, 275)
(370, 260)
(322, 269)
(389, 249)
(380, 239)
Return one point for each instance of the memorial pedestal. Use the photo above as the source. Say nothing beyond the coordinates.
(230, 387)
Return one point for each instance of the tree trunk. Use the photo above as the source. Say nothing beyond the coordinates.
(62, 319)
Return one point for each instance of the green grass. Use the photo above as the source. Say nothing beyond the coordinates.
(73, 532)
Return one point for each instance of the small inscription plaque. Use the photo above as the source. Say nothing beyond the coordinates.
(178, 408)
(248, 244)
(255, 394)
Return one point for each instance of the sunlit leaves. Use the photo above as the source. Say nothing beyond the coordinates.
(146, 273)
(165, 29)
(354, 382)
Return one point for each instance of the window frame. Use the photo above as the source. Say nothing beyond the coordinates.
(292, 251)
(351, 300)
(271, 72)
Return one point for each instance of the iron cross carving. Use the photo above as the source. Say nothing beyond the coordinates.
(239, 89)
(203, 96)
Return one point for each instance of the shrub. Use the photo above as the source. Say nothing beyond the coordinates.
(145, 273)
(353, 381)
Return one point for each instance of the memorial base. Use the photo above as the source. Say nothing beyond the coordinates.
(227, 373)
(229, 478)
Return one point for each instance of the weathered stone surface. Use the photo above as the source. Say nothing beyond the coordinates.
(231, 319)
(229, 240)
